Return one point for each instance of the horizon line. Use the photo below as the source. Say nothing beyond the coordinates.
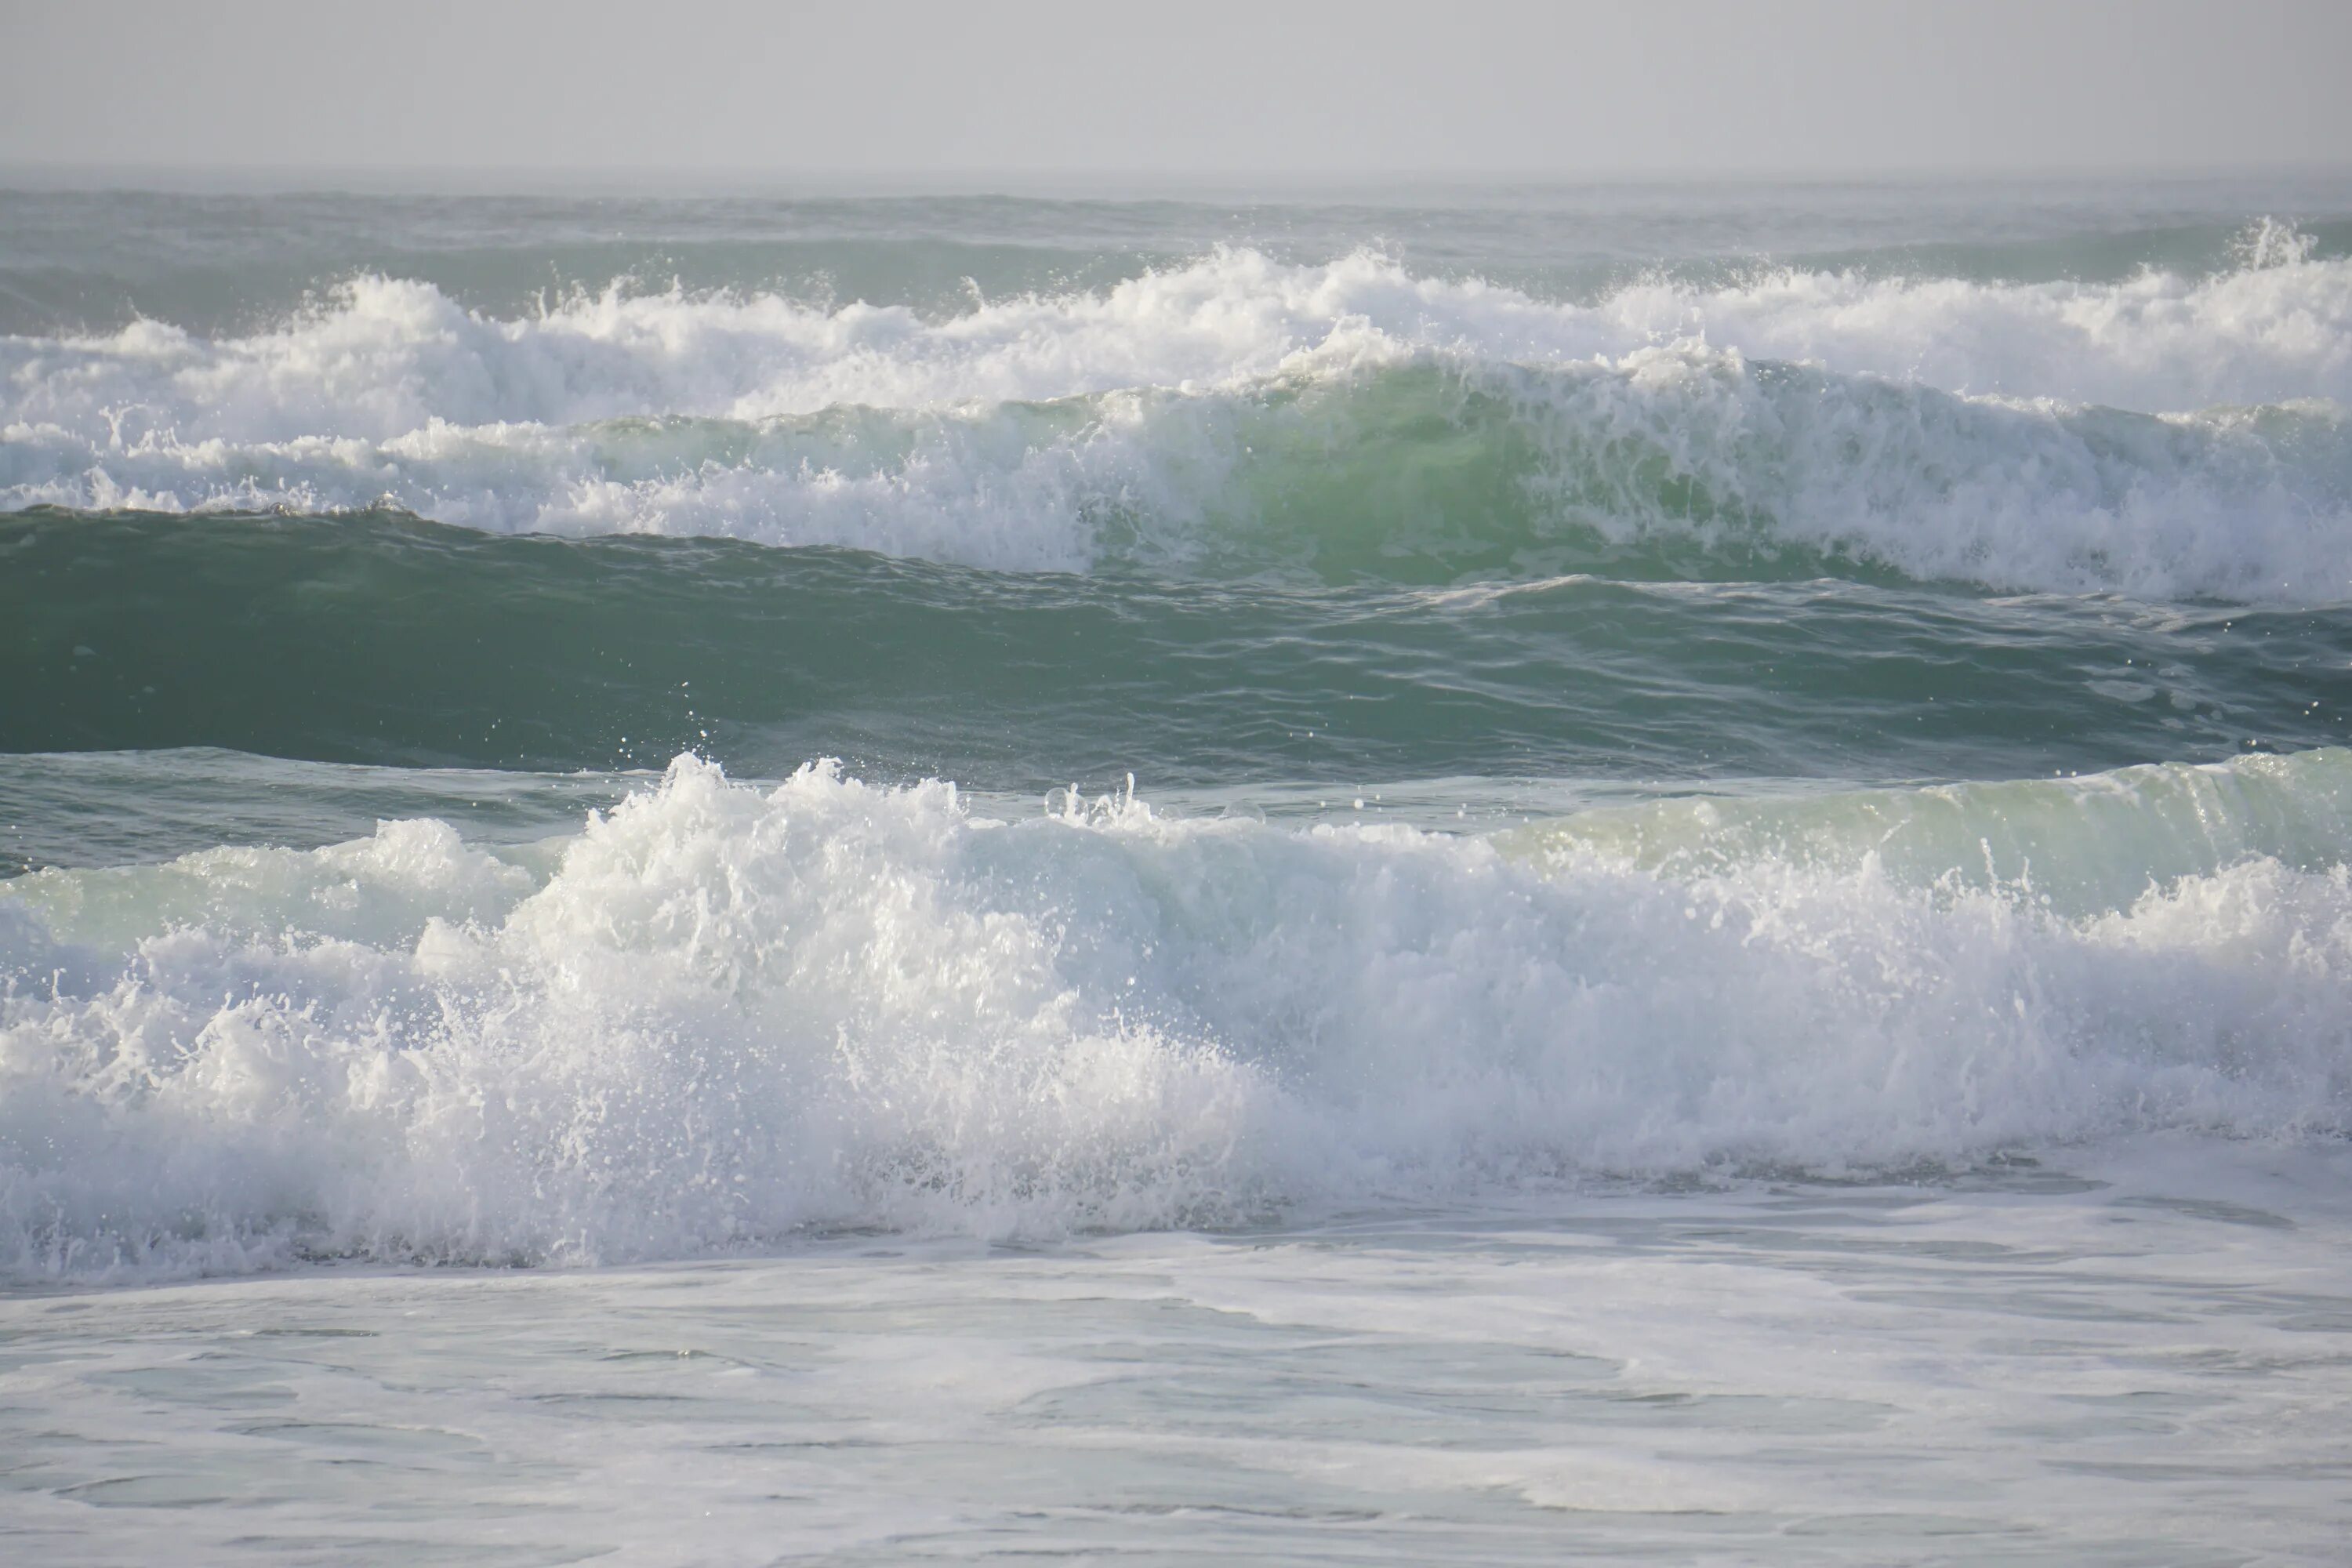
(130, 177)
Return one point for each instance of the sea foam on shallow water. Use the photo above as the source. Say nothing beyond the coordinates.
(723, 1014)
(1240, 412)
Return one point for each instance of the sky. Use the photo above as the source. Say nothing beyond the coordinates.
(1687, 87)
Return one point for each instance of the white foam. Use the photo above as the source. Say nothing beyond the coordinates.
(380, 357)
(725, 1012)
(1044, 433)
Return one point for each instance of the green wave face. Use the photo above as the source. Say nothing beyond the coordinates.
(1688, 465)
(379, 638)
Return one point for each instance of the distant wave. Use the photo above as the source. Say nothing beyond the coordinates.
(722, 1014)
(379, 357)
(1239, 413)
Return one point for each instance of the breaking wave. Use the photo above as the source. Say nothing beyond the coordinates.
(723, 1015)
(2164, 436)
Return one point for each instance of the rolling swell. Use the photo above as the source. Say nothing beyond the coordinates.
(379, 638)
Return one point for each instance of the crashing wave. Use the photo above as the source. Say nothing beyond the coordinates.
(723, 1015)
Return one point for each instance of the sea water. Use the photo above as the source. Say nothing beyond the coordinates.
(1387, 875)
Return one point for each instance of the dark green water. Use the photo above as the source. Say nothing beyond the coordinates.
(379, 638)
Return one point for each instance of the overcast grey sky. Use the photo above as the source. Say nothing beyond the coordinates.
(1172, 88)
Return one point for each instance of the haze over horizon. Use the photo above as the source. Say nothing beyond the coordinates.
(1052, 90)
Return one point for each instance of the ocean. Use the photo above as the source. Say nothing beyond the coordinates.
(1342, 875)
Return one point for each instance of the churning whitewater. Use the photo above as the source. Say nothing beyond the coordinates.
(680, 729)
(723, 1014)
